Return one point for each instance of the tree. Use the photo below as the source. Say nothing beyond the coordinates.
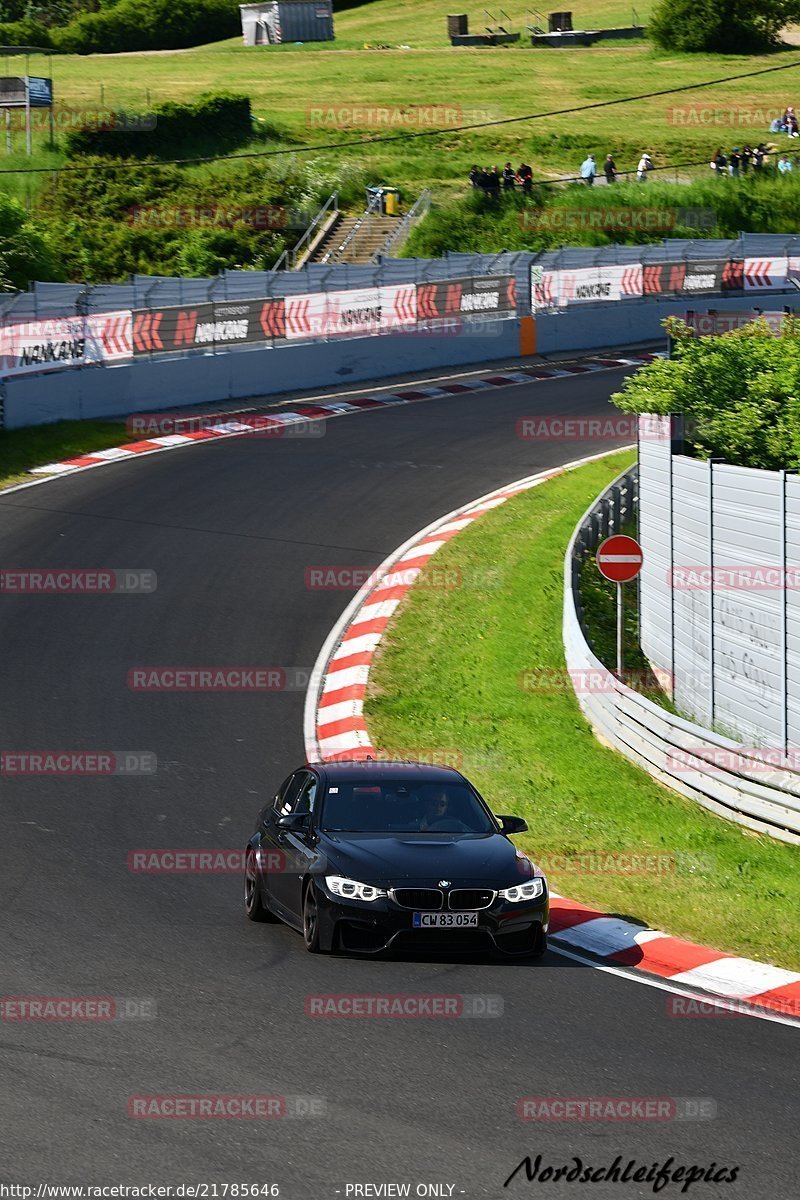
(723, 26)
(739, 393)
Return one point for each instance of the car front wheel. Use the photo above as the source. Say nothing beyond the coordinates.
(311, 921)
(253, 901)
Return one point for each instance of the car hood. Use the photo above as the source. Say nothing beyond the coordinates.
(426, 858)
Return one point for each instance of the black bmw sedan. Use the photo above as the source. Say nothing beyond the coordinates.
(366, 856)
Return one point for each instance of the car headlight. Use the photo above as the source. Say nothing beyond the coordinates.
(524, 891)
(351, 890)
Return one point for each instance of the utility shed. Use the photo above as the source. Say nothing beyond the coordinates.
(276, 21)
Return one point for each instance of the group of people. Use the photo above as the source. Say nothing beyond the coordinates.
(739, 161)
(588, 169)
(742, 159)
(786, 124)
(492, 180)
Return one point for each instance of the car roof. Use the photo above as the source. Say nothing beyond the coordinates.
(359, 770)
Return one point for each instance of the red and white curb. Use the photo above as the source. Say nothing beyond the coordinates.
(273, 422)
(334, 727)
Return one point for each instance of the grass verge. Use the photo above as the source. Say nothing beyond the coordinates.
(21, 449)
(531, 752)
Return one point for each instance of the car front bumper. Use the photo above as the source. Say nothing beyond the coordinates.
(379, 925)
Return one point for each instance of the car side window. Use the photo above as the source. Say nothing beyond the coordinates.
(289, 792)
(305, 800)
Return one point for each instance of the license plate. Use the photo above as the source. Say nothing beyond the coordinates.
(445, 920)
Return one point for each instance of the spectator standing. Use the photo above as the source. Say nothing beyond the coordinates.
(645, 165)
(475, 176)
(747, 158)
(759, 157)
(509, 177)
(610, 169)
(790, 122)
(493, 185)
(719, 162)
(588, 170)
(735, 161)
(525, 176)
(784, 164)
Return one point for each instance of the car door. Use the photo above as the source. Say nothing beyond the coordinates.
(299, 852)
(273, 839)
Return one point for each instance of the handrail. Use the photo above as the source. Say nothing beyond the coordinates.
(418, 210)
(374, 205)
(294, 252)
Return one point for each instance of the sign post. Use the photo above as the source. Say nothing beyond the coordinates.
(619, 559)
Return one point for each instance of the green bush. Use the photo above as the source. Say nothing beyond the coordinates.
(721, 26)
(180, 129)
(25, 251)
(25, 32)
(740, 393)
(153, 25)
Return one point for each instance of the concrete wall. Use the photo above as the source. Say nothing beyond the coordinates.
(146, 384)
(150, 385)
(592, 326)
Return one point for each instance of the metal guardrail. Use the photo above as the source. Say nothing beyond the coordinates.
(373, 209)
(288, 260)
(419, 210)
(723, 776)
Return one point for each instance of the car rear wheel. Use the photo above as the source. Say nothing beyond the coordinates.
(311, 921)
(253, 902)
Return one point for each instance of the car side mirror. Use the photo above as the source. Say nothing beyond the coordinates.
(513, 824)
(294, 822)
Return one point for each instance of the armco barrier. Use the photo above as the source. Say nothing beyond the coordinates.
(674, 751)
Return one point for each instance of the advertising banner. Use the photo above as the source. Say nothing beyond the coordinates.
(544, 288)
(57, 342)
(698, 277)
(588, 285)
(482, 294)
(761, 274)
(357, 312)
(205, 326)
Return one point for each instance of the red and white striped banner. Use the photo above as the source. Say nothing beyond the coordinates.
(56, 342)
(365, 310)
(763, 274)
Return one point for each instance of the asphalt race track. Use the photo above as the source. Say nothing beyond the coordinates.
(231, 528)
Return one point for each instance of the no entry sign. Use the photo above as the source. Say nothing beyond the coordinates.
(619, 558)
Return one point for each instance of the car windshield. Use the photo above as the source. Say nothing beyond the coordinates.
(404, 806)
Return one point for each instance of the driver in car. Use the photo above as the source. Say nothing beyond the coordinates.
(436, 806)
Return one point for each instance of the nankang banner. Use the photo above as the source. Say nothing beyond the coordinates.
(202, 326)
(483, 294)
(695, 277)
(58, 342)
(587, 285)
(354, 313)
